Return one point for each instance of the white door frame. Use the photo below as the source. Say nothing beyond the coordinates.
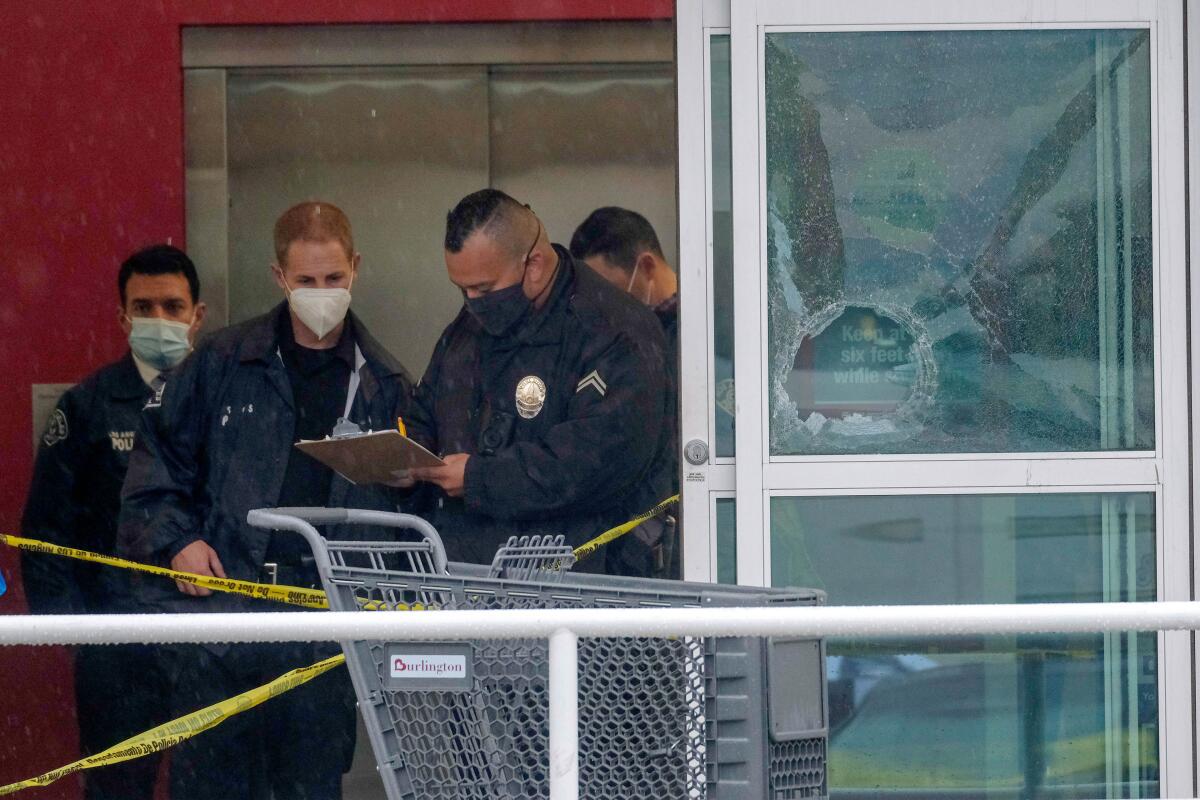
(1193, 177)
(696, 21)
(758, 476)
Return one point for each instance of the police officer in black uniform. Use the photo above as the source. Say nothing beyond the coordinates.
(623, 248)
(546, 394)
(74, 500)
(218, 443)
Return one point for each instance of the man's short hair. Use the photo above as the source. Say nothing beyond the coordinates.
(159, 259)
(312, 221)
(493, 211)
(618, 234)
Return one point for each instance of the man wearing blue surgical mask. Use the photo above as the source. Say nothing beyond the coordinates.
(74, 500)
(622, 247)
(160, 312)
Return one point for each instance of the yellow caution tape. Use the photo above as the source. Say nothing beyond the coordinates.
(383, 605)
(176, 731)
(172, 733)
(294, 595)
(585, 550)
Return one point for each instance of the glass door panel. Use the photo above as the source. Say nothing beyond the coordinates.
(1026, 716)
(722, 246)
(725, 513)
(958, 238)
(370, 140)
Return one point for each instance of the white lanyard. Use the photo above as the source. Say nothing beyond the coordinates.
(352, 389)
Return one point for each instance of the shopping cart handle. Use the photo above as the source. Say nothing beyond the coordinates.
(311, 515)
(302, 520)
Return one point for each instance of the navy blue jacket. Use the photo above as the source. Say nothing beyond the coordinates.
(590, 458)
(215, 444)
(76, 492)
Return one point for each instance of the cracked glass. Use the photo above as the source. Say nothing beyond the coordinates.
(959, 242)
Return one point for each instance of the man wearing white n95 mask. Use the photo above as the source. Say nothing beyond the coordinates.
(316, 277)
(220, 442)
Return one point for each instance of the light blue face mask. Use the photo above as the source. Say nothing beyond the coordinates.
(161, 343)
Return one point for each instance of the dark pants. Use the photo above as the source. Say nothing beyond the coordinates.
(119, 692)
(647, 551)
(292, 747)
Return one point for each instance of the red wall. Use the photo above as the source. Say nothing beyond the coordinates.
(91, 167)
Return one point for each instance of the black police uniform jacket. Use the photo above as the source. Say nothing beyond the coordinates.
(75, 494)
(581, 462)
(215, 444)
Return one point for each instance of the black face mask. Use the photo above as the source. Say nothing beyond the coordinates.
(499, 311)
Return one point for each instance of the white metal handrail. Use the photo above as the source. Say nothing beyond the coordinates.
(562, 627)
(857, 621)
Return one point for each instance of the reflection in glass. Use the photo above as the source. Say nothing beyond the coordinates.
(722, 241)
(1025, 716)
(373, 141)
(726, 540)
(984, 195)
(568, 140)
(397, 147)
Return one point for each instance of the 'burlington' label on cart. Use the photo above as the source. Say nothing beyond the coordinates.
(429, 665)
(405, 665)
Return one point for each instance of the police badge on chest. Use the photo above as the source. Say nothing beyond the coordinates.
(498, 426)
(531, 396)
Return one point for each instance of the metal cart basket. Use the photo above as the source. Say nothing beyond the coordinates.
(658, 718)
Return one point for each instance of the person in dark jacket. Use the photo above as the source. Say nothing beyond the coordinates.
(545, 394)
(74, 500)
(622, 247)
(217, 443)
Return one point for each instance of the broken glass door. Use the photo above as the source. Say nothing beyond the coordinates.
(958, 241)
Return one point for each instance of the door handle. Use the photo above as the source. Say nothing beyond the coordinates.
(696, 452)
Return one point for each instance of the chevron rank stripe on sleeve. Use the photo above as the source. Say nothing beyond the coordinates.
(593, 380)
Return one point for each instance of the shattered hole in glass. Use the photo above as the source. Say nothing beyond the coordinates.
(856, 376)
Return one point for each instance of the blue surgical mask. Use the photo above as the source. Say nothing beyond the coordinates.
(161, 343)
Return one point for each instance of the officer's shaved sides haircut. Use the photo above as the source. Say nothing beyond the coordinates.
(501, 218)
(618, 234)
(312, 221)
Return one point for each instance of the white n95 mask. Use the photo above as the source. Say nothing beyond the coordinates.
(321, 310)
(161, 343)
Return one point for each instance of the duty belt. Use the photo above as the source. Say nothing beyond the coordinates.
(291, 574)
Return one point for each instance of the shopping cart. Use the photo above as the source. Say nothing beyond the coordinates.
(666, 719)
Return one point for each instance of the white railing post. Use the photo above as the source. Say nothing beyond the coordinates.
(564, 715)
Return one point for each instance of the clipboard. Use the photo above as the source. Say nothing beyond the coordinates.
(365, 458)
